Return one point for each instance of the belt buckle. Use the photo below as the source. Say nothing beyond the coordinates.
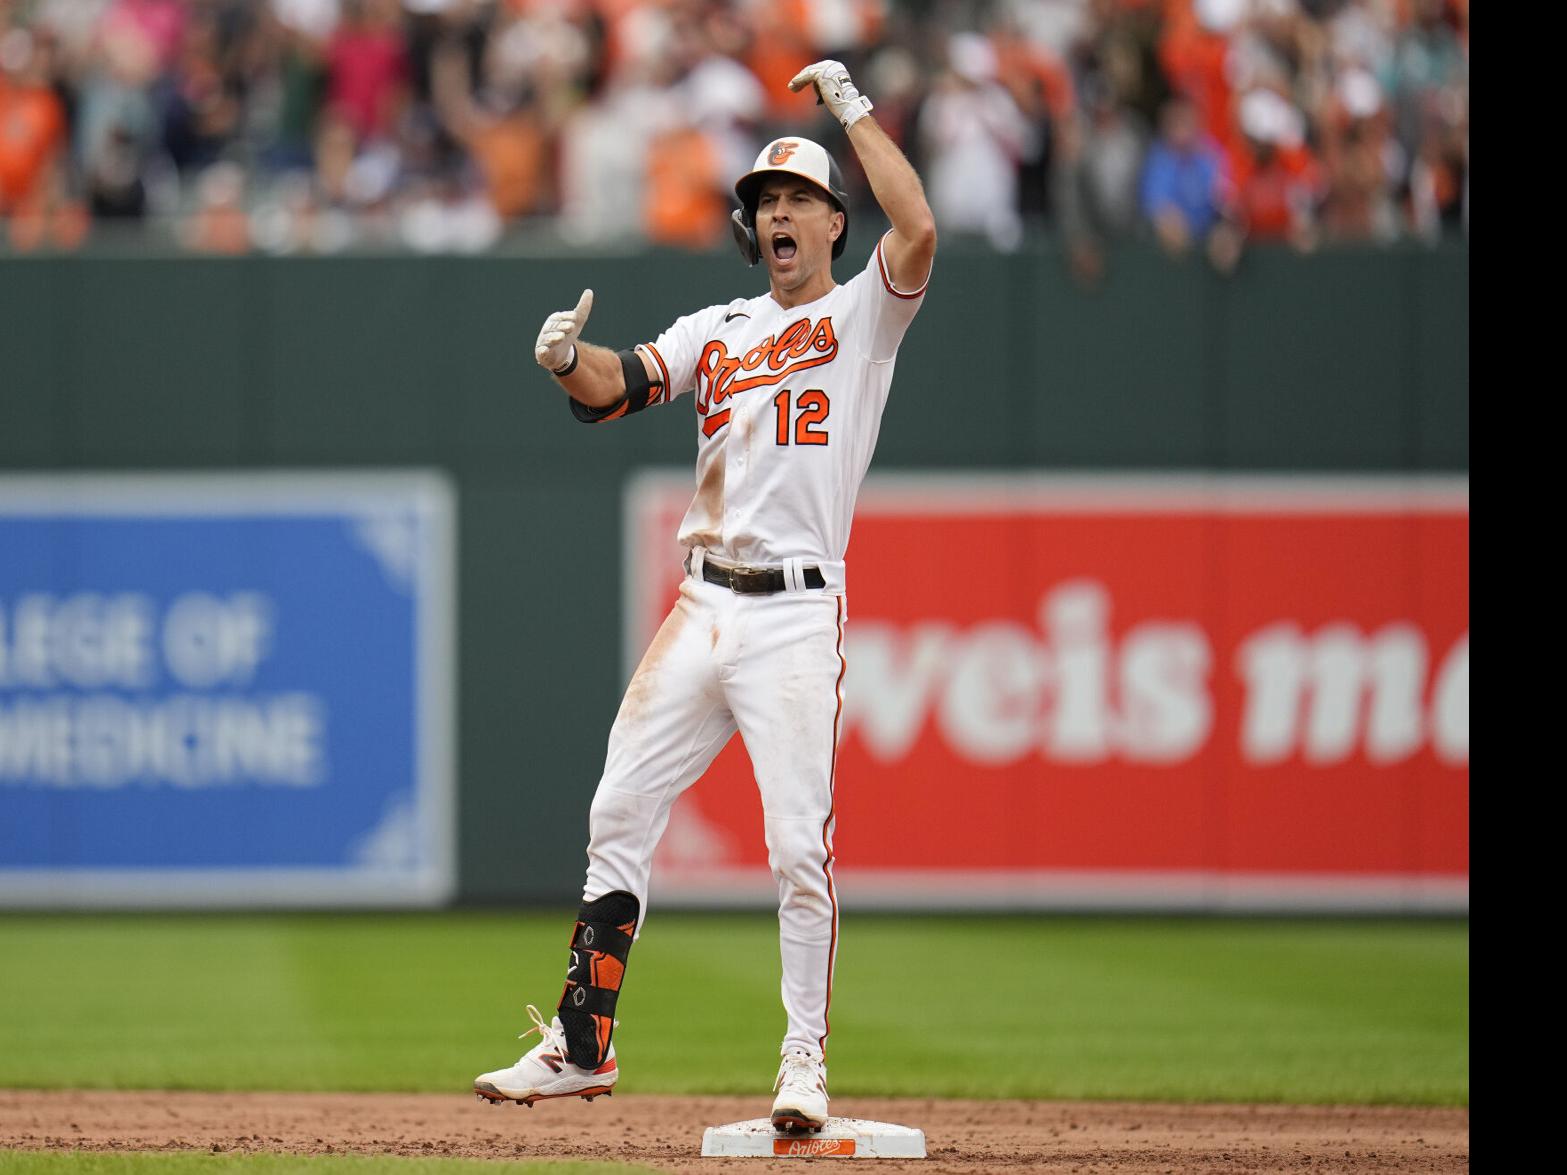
(742, 576)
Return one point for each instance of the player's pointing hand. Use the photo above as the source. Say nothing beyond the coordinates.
(556, 347)
(836, 88)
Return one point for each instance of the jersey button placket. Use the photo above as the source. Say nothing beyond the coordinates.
(734, 462)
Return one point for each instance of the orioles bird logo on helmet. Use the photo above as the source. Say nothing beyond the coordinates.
(781, 151)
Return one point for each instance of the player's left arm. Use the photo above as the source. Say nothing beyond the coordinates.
(911, 246)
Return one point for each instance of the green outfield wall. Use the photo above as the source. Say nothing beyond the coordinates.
(1351, 361)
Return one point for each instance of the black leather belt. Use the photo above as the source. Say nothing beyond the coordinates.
(757, 580)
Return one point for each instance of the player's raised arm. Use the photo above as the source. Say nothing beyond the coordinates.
(911, 247)
(593, 376)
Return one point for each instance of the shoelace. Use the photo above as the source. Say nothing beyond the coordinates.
(551, 1035)
(799, 1071)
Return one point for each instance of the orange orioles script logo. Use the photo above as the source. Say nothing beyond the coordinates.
(813, 1147)
(719, 375)
(781, 151)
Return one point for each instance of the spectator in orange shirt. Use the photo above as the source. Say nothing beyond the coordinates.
(1195, 54)
(687, 203)
(1277, 180)
(790, 34)
(780, 48)
(32, 125)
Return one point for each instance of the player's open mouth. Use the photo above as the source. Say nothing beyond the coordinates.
(783, 246)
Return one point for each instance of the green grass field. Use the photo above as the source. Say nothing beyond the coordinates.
(1183, 1009)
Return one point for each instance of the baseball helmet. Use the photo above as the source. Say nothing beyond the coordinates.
(787, 156)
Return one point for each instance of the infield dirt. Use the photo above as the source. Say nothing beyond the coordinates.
(666, 1132)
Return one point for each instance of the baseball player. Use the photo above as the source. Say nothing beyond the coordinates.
(789, 389)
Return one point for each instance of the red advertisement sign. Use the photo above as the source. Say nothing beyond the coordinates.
(1204, 692)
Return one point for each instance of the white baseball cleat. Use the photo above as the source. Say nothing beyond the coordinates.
(801, 1103)
(544, 1072)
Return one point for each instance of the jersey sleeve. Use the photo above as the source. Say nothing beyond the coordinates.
(673, 356)
(889, 310)
(675, 352)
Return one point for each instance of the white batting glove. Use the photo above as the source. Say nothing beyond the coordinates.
(556, 350)
(836, 88)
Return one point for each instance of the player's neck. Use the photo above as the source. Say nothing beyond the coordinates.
(819, 286)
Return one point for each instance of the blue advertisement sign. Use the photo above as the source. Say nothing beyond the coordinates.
(226, 689)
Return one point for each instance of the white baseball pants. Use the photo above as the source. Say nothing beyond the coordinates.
(770, 666)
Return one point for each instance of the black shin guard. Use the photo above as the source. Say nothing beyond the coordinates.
(600, 945)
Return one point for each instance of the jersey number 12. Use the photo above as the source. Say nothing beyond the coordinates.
(813, 411)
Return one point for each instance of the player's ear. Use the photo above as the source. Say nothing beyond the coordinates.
(837, 226)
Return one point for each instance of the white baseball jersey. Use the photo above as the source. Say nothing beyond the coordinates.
(788, 408)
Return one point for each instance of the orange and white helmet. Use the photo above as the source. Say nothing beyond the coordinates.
(790, 155)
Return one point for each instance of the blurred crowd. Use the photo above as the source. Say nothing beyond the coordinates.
(314, 126)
